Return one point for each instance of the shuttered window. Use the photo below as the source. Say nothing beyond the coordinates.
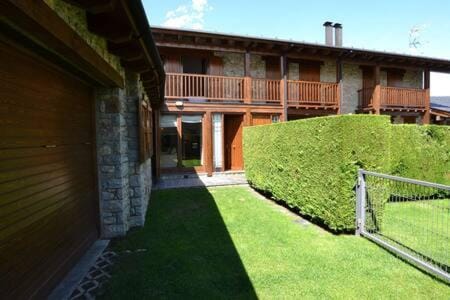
(145, 132)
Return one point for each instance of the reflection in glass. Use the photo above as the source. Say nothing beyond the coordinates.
(192, 140)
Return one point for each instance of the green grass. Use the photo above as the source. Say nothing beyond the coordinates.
(421, 226)
(189, 163)
(225, 243)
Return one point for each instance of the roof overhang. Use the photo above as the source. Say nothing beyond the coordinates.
(122, 23)
(203, 40)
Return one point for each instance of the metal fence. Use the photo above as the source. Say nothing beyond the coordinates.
(408, 217)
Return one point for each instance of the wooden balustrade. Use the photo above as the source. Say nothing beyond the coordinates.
(393, 97)
(209, 88)
(312, 93)
(204, 87)
(266, 91)
(402, 97)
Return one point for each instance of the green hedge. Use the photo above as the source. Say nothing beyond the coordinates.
(312, 164)
(421, 152)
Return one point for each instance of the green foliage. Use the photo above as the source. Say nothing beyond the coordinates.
(421, 152)
(312, 164)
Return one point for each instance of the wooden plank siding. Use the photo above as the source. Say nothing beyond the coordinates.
(48, 198)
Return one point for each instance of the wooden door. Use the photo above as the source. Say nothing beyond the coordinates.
(261, 119)
(368, 85)
(215, 86)
(394, 78)
(309, 72)
(273, 68)
(233, 142)
(47, 190)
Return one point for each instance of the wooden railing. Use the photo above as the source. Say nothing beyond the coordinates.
(208, 88)
(265, 91)
(312, 93)
(393, 97)
(204, 87)
(402, 97)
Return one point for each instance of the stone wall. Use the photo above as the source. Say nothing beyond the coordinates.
(234, 65)
(351, 83)
(328, 71)
(413, 79)
(124, 182)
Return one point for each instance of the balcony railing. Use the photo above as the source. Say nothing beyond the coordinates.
(208, 88)
(393, 97)
(306, 93)
(402, 97)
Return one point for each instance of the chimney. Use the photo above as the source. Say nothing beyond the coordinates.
(338, 35)
(328, 33)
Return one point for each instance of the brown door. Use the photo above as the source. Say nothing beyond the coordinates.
(368, 86)
(233, 142)
(261, 119)
(394, 78)
(48, 203)
(309, 71)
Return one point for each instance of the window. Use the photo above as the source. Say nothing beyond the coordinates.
(275, 118)
(145, 131)
(169, 141)
(192, 140)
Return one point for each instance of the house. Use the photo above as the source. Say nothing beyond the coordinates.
(217, 83)
(78, 84)
(440, 110)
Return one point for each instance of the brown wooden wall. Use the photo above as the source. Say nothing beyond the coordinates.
(48, 201)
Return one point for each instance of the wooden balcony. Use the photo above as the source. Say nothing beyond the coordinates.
(197, 88)
(393, 98)
(312, 94)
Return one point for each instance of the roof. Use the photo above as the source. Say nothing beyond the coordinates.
(440, 103)
(199, 39)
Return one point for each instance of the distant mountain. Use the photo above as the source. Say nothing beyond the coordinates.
(441, 103)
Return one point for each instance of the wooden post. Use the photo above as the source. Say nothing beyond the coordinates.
(426, 86)
(207, 143)
(339, 76)
(157, 143)
(283, 87)
(179, 142)
(247, 79)
(376, 96)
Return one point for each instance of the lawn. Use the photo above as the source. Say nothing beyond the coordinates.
(227, 243)
(421, 226)
(189, 163)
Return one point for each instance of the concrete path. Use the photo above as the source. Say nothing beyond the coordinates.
(220, 179)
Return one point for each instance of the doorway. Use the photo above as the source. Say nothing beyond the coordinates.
(233, 142)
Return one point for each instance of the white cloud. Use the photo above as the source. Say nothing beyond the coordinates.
(188, 15)
(440, 84)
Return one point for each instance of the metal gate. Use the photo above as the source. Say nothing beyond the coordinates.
(410, 218)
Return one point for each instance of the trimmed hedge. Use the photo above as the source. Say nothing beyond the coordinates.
(421, 152)
(312, 164)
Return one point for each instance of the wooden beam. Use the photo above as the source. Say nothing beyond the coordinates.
(283, 87)
(94, 6)
(426, 82)
(127, 51)
(39, 22)
(138, 66)
(208, 143)
(109, 27)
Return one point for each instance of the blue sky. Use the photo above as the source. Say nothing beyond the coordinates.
(380, 25)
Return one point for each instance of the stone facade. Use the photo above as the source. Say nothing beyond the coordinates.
(124, 182)
(293, 71)
(328, 71)
(351, 83)
(234, 65)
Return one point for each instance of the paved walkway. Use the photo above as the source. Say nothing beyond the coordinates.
(220, 179)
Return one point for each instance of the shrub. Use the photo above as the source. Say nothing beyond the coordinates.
(312, 164)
